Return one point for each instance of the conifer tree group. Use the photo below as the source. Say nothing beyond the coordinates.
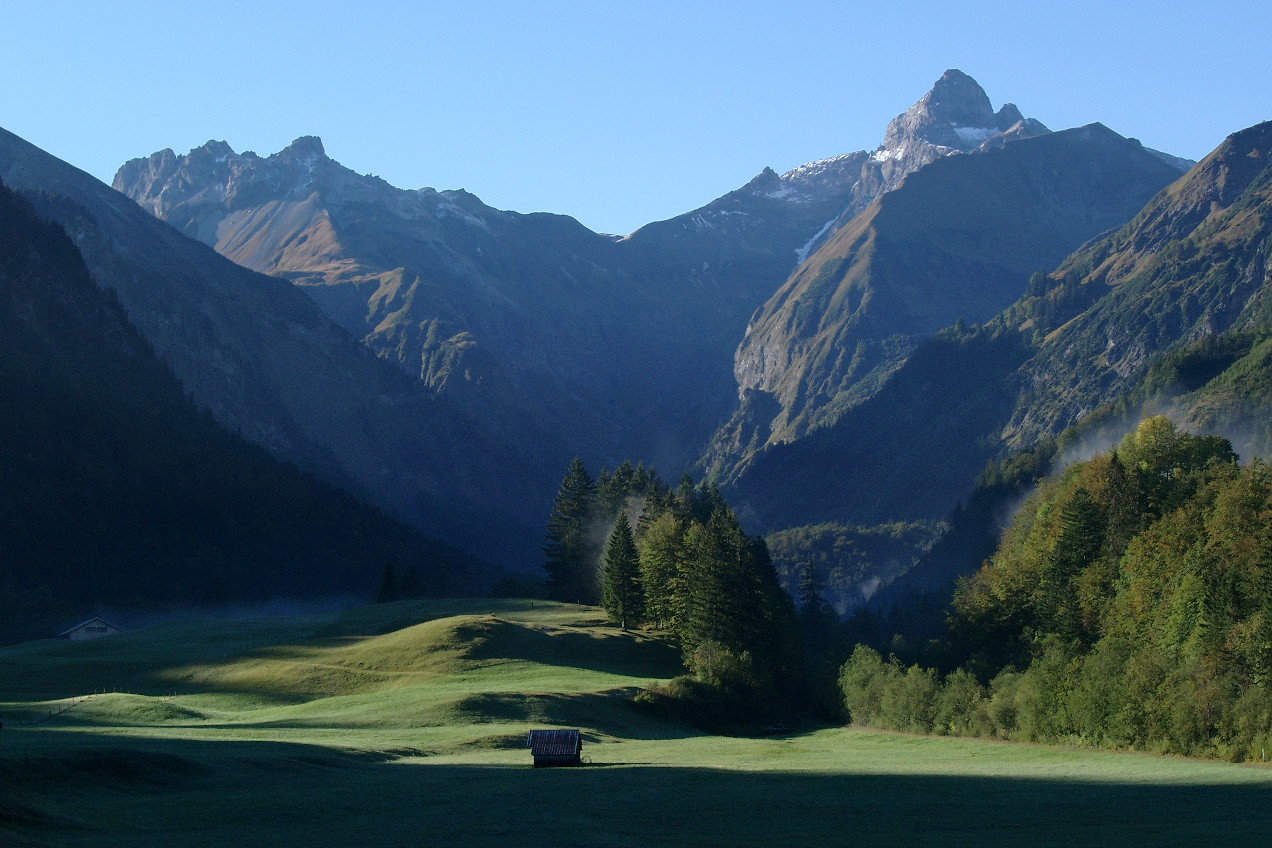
(686, 566)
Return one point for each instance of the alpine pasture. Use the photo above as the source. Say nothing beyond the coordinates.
(405, 724)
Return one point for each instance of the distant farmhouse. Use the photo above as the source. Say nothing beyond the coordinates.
(555, 747)
(94, 628)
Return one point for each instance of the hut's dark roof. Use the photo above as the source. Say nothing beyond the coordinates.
(99, 621)
(554, 743)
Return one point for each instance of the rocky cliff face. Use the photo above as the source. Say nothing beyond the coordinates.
(957, 240)
(955, 115)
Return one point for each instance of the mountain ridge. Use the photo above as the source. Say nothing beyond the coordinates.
(1192, 264)
(1169, 313)
(535, 316)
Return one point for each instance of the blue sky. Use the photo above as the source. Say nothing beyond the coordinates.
(615, 113)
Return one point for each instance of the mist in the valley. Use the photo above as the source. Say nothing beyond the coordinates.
(133, 618)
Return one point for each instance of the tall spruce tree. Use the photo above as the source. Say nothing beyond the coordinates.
(734, 602)
(721, 591)
(776, 628)
(811, 585)
(620, 572)
(571, 555)
(1124, 509)
(612, 490)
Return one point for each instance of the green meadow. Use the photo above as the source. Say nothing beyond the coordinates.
(404, 724)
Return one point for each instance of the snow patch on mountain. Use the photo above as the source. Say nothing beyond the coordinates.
(816, 171)
(447, 207)
(802, 253)
(883, 154)
(974, 135)
(786, 193)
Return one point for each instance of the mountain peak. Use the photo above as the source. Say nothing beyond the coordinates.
(306, 147)
(766, 180)
(1008, 116)
(219, 150)
(958, 88)
(956, 114)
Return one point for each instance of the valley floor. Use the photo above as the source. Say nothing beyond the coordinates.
(404, 724)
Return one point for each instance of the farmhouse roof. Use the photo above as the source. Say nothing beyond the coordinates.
(554, 743)
(86, 624)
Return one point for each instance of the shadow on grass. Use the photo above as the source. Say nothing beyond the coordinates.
(611, 711)
(632, 654)
(56, 670)
(80, 789)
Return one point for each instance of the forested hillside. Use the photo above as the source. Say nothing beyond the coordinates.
(115, 491)
(1129, 605)
(259, 356)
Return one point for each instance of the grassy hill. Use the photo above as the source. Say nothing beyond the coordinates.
(465, 666)
(403, 723)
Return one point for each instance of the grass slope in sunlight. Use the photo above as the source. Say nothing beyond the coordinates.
(403, 724)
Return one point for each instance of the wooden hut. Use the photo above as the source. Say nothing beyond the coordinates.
(555, 747)
(94, 628)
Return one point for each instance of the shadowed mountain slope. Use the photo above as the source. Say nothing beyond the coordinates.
(116, 491)
(263, 360)
(1193, 264)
